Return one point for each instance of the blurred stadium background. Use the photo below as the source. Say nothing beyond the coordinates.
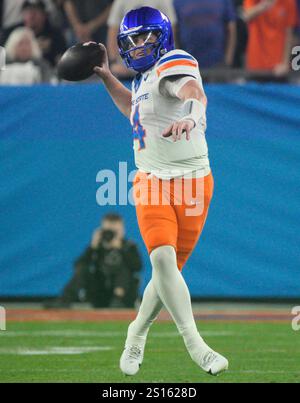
(55, 137)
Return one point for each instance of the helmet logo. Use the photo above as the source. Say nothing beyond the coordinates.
(132, 29)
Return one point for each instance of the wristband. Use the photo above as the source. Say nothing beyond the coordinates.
(193, 110)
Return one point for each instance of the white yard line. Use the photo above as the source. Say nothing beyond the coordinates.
(54, 350)
(82, 333)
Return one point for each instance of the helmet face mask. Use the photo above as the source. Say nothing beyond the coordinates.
(130, 43)
(145, 35)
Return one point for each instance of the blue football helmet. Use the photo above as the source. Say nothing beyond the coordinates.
(147, 21)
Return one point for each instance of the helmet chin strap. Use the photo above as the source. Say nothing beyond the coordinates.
(142, 64)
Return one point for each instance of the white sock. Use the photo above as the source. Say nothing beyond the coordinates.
(174, 294)
(148, 312)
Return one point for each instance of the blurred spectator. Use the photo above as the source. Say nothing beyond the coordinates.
(118, 10)
(207, 30)
(88, 19)
(60, 20)
(56, 14)
(298, 24)
(241, 36)
(52, 42)
(35, 17)
(24, 60)
(11, 12)
(270, 26)
(107, 273)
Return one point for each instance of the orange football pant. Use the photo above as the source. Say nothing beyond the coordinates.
(172, 212)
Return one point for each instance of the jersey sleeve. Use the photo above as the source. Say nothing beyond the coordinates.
(172, 85)
(177, 63)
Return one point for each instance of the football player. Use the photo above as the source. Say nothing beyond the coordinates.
(167, 110)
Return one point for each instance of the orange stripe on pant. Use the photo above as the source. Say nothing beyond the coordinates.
(172, 212)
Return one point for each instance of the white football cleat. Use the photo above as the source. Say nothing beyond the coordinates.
(214, 363)
(131, 359)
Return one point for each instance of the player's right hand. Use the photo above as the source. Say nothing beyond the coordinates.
(103, 69)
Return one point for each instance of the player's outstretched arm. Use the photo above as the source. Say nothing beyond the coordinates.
(119, 93)
(195, 104)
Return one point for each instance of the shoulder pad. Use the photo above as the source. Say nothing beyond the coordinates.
(176, 62)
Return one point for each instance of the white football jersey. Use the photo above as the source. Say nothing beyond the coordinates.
(153, 110)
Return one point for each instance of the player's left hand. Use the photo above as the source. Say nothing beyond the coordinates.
(178, 129)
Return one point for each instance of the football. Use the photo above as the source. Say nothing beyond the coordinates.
(78, 62)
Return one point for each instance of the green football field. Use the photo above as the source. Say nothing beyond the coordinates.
(89, 352)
